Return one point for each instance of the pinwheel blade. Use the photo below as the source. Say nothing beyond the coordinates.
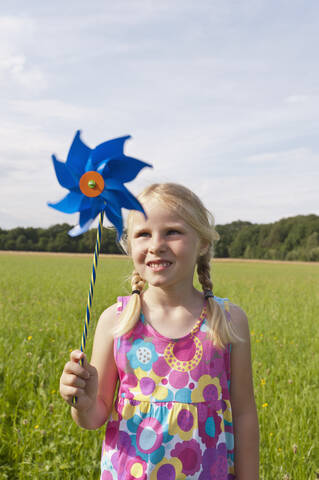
(123, 169)
(86, 203)
(106, 150)
(77, 230)
(115, 218)
(119, 195)
(85, 217)
(64, 174)
(69, 204)
(78, 155)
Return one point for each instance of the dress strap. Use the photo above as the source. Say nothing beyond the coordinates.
(121, 303)
(224, 304)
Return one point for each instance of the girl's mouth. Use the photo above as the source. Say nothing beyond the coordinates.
(159, 265)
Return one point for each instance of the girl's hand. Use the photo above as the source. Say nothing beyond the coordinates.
(79, 381)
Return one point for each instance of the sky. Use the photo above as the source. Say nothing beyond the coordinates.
(221, 96)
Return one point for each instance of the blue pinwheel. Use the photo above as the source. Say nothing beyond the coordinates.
(96, 180)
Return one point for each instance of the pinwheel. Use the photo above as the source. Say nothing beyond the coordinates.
(95, 179)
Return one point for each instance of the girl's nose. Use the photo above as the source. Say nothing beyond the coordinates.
(157, 244)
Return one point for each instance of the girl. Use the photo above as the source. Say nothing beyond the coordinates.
(185, 406)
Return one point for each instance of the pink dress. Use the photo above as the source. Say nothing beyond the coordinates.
(172, 418)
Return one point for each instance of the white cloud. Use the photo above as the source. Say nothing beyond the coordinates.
(13, 29)
(294, 161)
(15, 66)
(297, 98)
(261, 198)
(46, 108)
(23, 141)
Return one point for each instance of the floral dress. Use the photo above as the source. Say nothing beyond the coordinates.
(172, 418)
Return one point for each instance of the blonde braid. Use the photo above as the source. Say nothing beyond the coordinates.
(131, 314)
(137, 282)
(220, 330)
(203, 271)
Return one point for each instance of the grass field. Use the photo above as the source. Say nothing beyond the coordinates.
(42, 305)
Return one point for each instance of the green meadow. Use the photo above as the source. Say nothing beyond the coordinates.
(42, 305)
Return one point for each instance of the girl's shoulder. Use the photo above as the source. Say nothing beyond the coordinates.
(108, 318)
(235, 316)
(238, 320)
(236, 313)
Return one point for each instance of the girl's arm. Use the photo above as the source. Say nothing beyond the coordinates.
(93, 384)
(245, 419)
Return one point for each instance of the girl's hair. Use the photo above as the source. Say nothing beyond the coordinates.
(189, 207)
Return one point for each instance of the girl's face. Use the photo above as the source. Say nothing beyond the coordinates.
(164, 248)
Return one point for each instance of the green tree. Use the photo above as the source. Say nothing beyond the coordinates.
(21, 242)
(312, 241)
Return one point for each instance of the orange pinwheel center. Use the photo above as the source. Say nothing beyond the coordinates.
(91, 184)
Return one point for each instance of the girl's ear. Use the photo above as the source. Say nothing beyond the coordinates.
(204, 249)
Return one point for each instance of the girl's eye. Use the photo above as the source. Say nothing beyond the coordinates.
(142, 234)
(172, 231)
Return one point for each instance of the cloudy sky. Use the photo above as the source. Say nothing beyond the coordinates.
(222, 96)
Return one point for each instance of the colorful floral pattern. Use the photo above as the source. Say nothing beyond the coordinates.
(142, 354)
(172, 419)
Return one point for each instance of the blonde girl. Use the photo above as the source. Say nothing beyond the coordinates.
(185, 405)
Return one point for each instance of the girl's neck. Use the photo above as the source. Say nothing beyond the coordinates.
(174, 313)
(189, 298)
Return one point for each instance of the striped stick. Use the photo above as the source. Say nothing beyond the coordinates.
(91, 289)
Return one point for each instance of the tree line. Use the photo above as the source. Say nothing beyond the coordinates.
(56, 239)
(293, 238)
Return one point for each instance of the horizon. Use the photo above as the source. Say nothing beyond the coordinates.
(112, 227)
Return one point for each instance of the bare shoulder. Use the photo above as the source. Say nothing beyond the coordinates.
(239, 321)
(108, 318)
(103, 357)
(103, 337)
(241, 391)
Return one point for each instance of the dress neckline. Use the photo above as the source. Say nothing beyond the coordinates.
(195, 328)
